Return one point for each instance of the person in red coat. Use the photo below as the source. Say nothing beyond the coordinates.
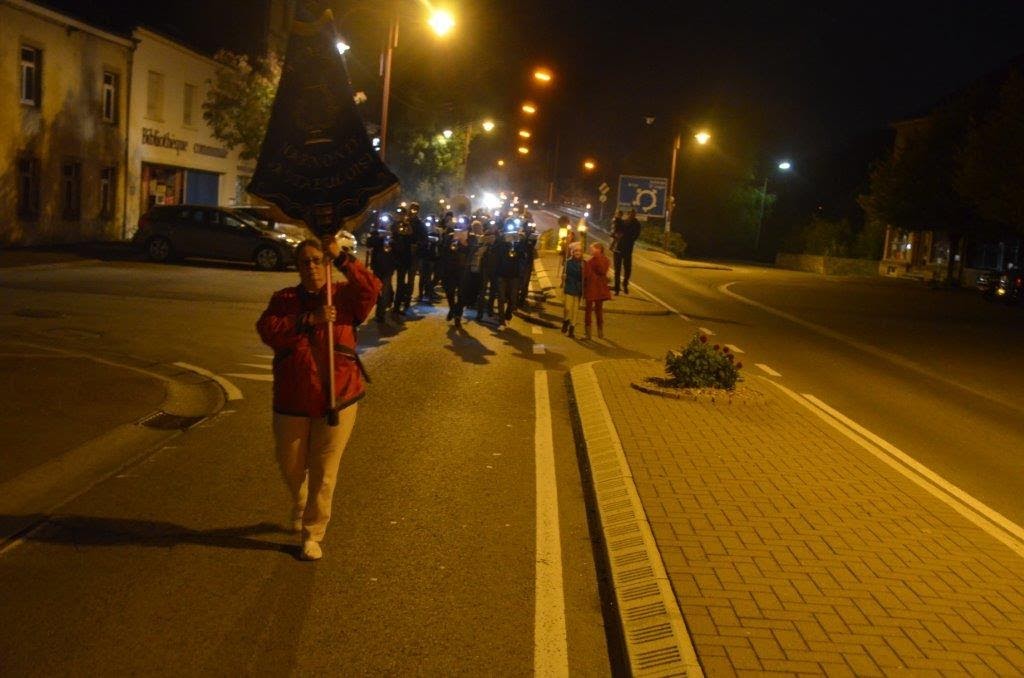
(595, 287)
(295, 326)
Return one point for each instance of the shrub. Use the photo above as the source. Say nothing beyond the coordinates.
(655, 235)
(702, 365)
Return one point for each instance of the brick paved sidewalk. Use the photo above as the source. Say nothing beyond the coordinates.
(790, 549)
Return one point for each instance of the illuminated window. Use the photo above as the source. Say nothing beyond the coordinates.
(71, 190)
(155, 96)
(109, 97)
(31, 75)
(189, 102)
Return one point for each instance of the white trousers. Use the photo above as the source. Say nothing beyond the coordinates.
(309, 452)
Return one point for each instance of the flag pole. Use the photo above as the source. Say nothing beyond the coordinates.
(332, 407)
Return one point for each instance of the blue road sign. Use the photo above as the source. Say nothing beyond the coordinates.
(646, 195)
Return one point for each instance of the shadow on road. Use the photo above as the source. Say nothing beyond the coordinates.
(467, 347)
(85, 531)
(606, 348)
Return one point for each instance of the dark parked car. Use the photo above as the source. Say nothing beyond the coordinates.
(169, 231)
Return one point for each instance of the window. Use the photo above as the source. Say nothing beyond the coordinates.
(31, 75)
(155, 96)
(71, 190)
(108, 191)
(28, 188)
(189, 104)
(109, 97)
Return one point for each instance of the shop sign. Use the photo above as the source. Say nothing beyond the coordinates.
(153, 137)
(210, 150)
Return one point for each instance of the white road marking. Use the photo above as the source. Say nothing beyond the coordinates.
(992, 522)
(230, 389)
(542, 275)
(252, 377)
(262, 366)
(706, 331)
(536, 330)
(550, 638)
(671, 309)
(767, 370)
(539, 349)
(262, 355)
(734, 349)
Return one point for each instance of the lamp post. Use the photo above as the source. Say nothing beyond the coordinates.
(442, 22)
(702, 137)
(783, 166)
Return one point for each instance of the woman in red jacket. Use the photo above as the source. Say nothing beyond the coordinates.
(295, 325)
(595, 287)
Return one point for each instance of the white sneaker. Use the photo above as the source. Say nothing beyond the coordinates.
(311, 550)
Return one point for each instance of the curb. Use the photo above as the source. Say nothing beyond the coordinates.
(30, 498)
(653, 631)
(77, 263)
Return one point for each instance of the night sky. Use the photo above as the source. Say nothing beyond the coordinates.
(770, 79)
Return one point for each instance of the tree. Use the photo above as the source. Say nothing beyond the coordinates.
(237, 105)
(991, 176)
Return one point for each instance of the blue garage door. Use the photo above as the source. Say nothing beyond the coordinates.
(201, 188)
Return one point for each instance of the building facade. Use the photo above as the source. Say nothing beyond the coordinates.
(173, 157)
(63, 127)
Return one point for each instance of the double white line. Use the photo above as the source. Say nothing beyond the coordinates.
(988, 519)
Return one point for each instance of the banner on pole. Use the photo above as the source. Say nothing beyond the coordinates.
(316, 162)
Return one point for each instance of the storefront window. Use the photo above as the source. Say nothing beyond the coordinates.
(161, 185)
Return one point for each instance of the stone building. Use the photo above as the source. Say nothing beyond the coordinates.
(63, 127)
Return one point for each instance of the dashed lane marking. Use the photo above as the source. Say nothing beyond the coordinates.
(536, 330)
(734, 349)
(550, 638)
(252, 377)
(706, 331)
(767, 370)
(262, 366)
(539, 349)
(230, 390)
(670, 308)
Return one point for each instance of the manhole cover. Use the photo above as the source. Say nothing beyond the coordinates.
(38, 313)
(168, 422)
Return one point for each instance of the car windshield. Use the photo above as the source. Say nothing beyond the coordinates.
(252, 220)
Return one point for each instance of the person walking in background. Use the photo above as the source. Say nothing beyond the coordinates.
(573, 289)
(295, 326)
(595, 288)
(622, 251)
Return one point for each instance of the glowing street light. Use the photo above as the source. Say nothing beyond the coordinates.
(501, 163)
(785, 165)
(488, 125)
(442, 22)
(523, 150)
(702, 137)
(524, 133)
(542, 75)
(342, 47)
(589, 165)
(447, 134)
(529, 108)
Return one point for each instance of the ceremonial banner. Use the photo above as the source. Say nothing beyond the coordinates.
(316, 162)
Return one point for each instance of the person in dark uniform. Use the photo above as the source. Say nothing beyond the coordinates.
(628, 232)
(382, 263)
(508, 263)
(472, 274)
(488, 277)
(429, 253)
(404, 243)
(529, 238)
(452, 265)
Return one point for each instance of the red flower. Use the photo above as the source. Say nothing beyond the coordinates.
(730, 356)
(716, 347)
(703, 339)
(739, 365)
(725, 350)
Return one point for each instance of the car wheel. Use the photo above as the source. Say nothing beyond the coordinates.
(159, 249)
(268, 259)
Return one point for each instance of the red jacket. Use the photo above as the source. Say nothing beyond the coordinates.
(595, 278)
(300, 349)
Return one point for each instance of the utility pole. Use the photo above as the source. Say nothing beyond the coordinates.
(671, 202)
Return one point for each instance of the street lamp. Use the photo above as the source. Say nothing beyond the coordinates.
(542, 75)
(523, 150)
(784, 166)
(525, 133)
(442, 22)
(589, 165)
(447, 134)
(501, 163)
(488, 125)
(702, 137)
(529, 108)
(342, 47)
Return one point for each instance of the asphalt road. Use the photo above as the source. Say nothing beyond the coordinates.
(179, 563)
